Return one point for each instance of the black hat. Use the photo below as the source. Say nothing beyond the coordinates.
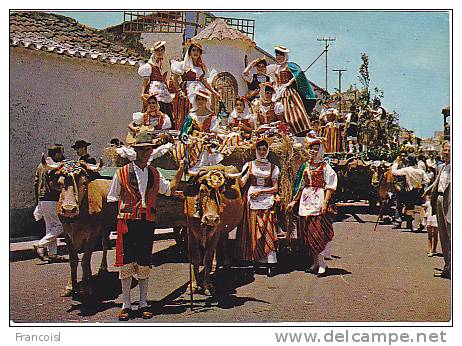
(116, 142)
(412, 160)
(80, 144)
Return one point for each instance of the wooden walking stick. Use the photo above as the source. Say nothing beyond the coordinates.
(191, 297)
(380, 215)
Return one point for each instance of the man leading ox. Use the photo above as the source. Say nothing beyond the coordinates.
(136, 186)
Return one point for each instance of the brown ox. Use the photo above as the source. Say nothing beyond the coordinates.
(221, 210)
(86, 218)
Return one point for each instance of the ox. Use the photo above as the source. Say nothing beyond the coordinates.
(86, 218)
(221, 209)
(383, 182)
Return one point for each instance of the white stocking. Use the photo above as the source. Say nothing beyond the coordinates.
(126, 285)
(143, 283)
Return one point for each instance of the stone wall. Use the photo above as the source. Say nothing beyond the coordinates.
(59, 99)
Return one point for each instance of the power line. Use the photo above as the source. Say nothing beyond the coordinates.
(340, 86)
(326, 44)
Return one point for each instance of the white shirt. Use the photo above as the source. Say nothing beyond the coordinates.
(265, 200)
(166, 125)
(415, 177)
(142, 179)
(445, 178)
(312, 198)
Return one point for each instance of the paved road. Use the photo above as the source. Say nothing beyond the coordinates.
(376, 276)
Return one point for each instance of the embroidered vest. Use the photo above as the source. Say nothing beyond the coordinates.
(204, 127)
(255, 84)
(269, 117)
(316, 174)
(253, 178)
(130, 207)
(189, 76)
(160, 122)
(285, 76)
(156, 75)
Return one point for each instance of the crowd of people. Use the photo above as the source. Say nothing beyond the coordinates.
(179, 96)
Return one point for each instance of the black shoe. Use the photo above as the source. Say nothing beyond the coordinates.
(146, 313)
(40, 254)
(270, 272)
(443, 274)
(56, 259)
(125, 314)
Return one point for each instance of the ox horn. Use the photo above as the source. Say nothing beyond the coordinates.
(93, 168)
(232, 175)
(47, 165)
(198, 173)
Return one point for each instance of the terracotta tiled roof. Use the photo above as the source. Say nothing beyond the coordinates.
(219, 30)
(63, 35)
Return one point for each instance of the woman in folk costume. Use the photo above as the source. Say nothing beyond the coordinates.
(194, 75)
(331, 132)
(155, 73)
(285, 75)
(153, 117)
(314, 186)
(268, 111)
(197, 127)
(256, 79)
(241, 118)
(258, 233)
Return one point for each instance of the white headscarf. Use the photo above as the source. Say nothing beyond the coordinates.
(320, 154)
(181, 67)
(261, 159)
(245, 115)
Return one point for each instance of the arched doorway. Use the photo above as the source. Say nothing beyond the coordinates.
(226, 85)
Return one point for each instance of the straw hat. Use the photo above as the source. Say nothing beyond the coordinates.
(282, 49)
(157, 45)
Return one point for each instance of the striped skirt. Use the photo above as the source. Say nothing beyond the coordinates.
(315, 232)
(294, 111)
(257, 235)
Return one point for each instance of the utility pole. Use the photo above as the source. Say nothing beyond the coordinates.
(340, 87)
(326, 40)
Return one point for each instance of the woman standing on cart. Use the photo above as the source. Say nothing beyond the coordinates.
(286, 91)
(258, 233)
(314, 186)
(190, 75)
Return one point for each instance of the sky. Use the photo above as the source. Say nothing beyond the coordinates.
(409, 53)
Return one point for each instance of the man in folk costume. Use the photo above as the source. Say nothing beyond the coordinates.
(256, 79)
(47, 199)
(441, 206)
(351, 130)
(416, 178)
(155, 73)
(268, 111)
(293, 90)
(81, 150)
(135, 187)
(331, 132)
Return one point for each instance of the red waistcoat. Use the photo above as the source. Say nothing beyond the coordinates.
(317, 176)
(130, 207)
(205, 127)
(160, 123)
(156, 75)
